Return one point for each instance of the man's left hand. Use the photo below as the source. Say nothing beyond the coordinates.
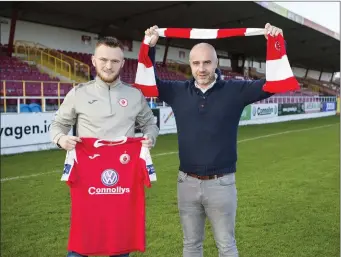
(147, 142)
(272, 30)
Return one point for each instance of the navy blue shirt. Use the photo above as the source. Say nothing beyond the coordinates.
(207, 123)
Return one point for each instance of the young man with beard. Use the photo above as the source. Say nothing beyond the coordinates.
(103, 108)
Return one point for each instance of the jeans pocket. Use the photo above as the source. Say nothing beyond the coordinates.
(181, 177)
(227, 180)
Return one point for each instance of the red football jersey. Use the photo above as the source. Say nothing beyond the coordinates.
(106, 180)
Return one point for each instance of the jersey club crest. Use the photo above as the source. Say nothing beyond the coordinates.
(124, 158)
(123, 102)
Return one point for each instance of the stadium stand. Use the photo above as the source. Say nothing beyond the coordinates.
(23, 79)
(12, 68)
(129, 69)
(19, 78)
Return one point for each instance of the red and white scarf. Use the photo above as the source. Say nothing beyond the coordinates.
(279, 76)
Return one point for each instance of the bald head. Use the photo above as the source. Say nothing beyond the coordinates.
(201, 48)
(203, 61)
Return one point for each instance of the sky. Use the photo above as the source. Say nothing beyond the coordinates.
(326, 14)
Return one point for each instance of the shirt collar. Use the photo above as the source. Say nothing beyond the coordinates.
(209, 86)
(104, 84)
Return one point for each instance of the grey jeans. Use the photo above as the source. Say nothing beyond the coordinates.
(215, 199)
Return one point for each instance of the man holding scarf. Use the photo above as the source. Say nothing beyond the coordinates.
(207, 110)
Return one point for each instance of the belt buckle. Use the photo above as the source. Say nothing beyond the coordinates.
(208, 177)
(202, 177)
(213, 177)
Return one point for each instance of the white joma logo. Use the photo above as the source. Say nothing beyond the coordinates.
(94, 156)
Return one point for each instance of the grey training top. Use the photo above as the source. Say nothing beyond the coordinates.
(104, 111)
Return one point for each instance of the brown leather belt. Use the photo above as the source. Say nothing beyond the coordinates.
(205, 177)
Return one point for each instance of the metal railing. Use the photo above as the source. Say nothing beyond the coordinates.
(298, 99)
(24, 98)
(80, 71)
(43, 99)
(54, 60)
(22, 90)
(59, 97)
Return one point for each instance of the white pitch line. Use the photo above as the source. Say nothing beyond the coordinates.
(28, 176)
(264, 136)
(162, 154)
(286, 132)
(168, 153)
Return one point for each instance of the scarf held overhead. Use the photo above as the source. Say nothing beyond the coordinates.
(279, 76)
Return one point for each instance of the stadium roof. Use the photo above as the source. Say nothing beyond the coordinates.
(309, 44)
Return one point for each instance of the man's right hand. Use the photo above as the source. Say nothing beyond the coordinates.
(151, 32)
(68, 142)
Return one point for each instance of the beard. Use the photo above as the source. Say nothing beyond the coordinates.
(110, 79)
(207, 80)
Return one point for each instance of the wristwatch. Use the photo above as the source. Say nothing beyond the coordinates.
(57, 142)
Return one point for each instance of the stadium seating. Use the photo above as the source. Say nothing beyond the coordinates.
(129, 68)
(14, 72)
(3, 48)
(227, 74)
(12, 68)
(24, 108)
(324, 88)
(34, 107)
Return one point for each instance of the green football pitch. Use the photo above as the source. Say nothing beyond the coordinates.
(288, 183)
